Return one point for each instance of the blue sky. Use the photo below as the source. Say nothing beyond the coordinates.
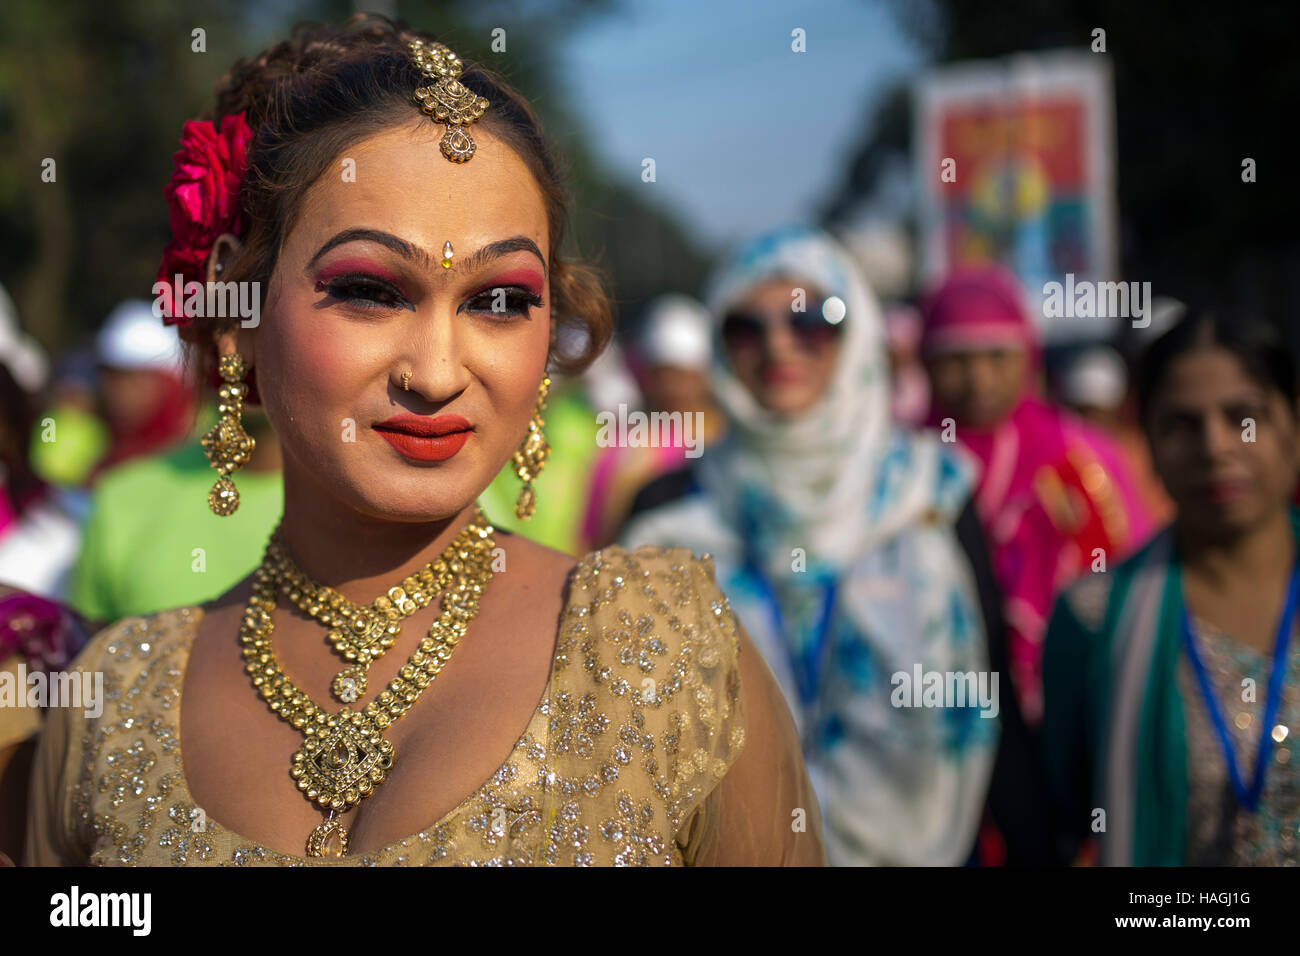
(745, 133)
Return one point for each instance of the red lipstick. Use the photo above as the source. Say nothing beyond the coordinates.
(425, 439)
(782, 375)
(1227, 491)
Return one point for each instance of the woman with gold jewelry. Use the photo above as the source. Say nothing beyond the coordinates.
(398, 683)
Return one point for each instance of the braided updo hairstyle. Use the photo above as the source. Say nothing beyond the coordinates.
(309, 98)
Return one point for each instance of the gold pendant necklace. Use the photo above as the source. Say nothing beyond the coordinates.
(361, 634)
(344, 756)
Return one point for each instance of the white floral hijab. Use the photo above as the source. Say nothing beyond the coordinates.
(810, 481)
(884, 586)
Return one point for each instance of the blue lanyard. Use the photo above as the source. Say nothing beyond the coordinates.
(807, 664)
(1248, 799)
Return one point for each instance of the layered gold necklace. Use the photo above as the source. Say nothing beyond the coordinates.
(344, 756)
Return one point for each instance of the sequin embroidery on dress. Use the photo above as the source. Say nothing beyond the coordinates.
(1219, 833)
(639, 722)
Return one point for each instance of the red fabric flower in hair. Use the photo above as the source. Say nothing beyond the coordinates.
(204, 198)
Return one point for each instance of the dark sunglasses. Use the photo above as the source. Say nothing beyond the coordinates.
(746, 328)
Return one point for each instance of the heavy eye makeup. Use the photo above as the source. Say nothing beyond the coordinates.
(509, 294)
(363, 285)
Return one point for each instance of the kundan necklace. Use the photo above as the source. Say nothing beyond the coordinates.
(344, 756)
(361, 634)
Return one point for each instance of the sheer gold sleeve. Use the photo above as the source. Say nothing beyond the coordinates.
(54, 798)
(763, 812)
(51, 826)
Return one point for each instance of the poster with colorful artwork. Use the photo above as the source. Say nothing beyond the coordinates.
(1016, 164)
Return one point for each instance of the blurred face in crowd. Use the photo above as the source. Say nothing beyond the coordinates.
(671, 388)
(784, 359)
(359, 295)
(901, 358)
(131, 396)
(1222, 482)
(979, 388)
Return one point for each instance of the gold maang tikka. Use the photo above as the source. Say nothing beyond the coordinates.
(447, 99)
(530, 457)
(227, 445)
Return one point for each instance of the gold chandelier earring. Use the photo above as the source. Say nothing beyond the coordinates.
(227, 445)
(531, 456)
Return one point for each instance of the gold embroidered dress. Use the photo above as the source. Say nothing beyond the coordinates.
(626, 761)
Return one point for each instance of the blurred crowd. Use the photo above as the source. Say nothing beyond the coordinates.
(889, 491)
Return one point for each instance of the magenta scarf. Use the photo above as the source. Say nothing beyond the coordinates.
(983, 307)
(1032, 559)
(46, 634)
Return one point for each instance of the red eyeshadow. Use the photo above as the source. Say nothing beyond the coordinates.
(362, 266)
(527, 278)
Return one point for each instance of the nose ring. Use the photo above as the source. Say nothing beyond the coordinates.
(406, 381)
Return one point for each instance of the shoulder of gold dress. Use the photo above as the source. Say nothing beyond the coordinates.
(650, 628)
(647, 554)
(650, 582)
(138, 632)
(684, 571)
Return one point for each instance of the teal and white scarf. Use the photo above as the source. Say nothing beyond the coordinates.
(1114, 721)
(840, 502)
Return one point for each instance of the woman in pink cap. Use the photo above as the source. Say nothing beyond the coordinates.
(1055, 497)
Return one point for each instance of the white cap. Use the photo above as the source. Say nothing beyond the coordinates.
(134, 338)
(19, 352)
(677, 332)
(1097, 378)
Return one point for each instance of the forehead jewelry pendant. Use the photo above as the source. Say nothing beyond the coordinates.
(447, 253)
(447, 99)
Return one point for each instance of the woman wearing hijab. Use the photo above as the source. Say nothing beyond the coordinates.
(834, 534)
(1055, 497)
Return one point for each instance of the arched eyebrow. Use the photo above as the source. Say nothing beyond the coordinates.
(413, 253)
(386, 239)
(502, 247)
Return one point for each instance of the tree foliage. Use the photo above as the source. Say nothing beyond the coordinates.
(102, 89)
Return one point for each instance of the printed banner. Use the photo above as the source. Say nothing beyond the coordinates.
(1016, 165)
